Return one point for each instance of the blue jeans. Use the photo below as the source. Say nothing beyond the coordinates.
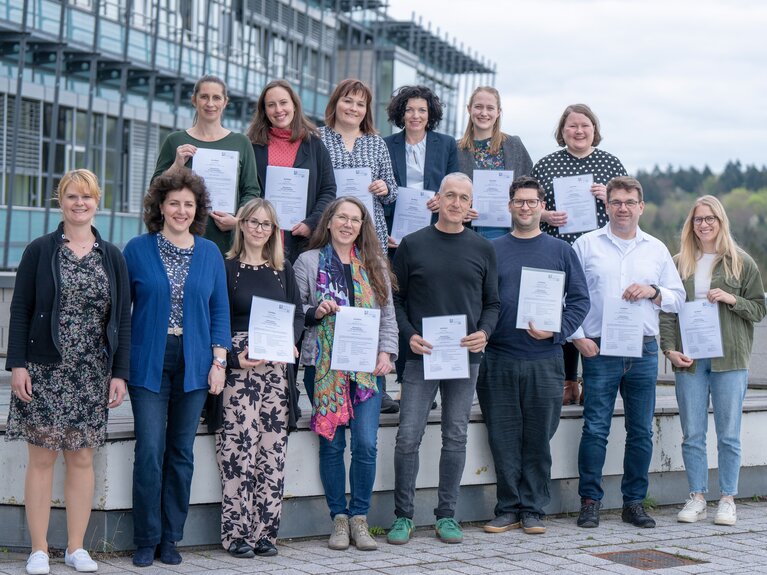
(416, 398)
(491, 233)
(635, 378)
(521, 401)
(727, 390)
(165, 427)
(364, 449)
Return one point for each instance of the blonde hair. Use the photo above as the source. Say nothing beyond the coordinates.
(727, 250)
(82, 178)
(272, 250)
(498, 137)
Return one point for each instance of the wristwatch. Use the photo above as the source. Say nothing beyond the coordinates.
(219, 362)
(656, 294)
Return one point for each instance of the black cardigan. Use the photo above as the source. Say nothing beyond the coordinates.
(33, 334)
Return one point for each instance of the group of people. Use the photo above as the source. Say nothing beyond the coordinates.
(167, 322)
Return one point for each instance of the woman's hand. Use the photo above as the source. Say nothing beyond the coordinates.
(599, 191)
(391, 243)
(224, 222)
(678, 359)
(554, 219)
(378, 188)
(383, 364)
(472, 214)
(216, 379)
(717, 294)
(301, 229)
(432, 204)
(183, 153)
(327, 306)
(21, 384)
(117, 390)
(247, 363)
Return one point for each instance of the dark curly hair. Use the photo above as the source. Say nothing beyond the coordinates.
(398, 103)
(174, 181)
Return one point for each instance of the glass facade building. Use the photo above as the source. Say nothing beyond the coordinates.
(98, 84)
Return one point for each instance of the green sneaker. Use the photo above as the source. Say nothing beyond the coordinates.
(448, 530)
(400, 531)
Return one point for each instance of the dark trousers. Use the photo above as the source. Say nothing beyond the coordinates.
(521, 402)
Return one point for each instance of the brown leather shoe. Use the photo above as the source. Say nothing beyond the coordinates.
(570, 395)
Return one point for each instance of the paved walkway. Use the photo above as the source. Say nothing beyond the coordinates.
(564, 549)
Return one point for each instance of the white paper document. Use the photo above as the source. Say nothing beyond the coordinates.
(448, 360)
(270, 330)
(699, 326)
(540, 299)
(491, 197)
(355, 182)
(355, 341)
(410, 212)
(219, 169)
(287, 189)
(622, 328)
(573, 195)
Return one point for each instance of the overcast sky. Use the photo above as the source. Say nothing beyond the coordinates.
(680, 82)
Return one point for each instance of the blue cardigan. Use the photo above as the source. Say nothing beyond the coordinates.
(206, 312)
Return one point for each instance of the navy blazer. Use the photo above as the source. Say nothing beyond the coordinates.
(441, 158)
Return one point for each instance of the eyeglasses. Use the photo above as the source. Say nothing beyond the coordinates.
(343, 220)
(698, 221)
(630, 204)
(534, 203)
(255, 224)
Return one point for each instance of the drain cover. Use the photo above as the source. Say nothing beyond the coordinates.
(647, 559)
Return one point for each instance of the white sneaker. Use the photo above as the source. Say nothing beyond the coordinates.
(81, 561)
(694, 510)
(725, 513)
(37, 564)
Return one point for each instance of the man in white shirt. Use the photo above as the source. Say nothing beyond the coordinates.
(621, 261)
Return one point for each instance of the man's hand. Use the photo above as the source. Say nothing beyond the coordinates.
(587, 347)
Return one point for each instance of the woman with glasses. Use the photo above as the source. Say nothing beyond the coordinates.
(252, 425)
(578, 133)
(283, 136)
(345, 267)
(715, 269)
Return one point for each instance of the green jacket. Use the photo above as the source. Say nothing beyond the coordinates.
(736, 321)
(248, 187)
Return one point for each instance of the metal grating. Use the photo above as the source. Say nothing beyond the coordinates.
(647, 559)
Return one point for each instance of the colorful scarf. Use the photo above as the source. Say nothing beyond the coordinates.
(332, 405)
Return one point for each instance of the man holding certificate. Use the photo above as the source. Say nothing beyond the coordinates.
(442, 270)
(631, 278)
(520, 379)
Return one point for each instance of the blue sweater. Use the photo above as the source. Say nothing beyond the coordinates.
(542, 252)
(206, 312)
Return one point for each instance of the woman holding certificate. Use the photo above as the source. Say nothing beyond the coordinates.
(178, 355)
(252, 434)
(350, 137)
(715, 270)
(485, 147)
(578, 132)
(179, 149)
(344, 268)
(283, 136)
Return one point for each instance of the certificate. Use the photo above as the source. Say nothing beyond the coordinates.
(448, 360)
(410, 212)
(491, 197)
(355, 182)
(699, 326)
(219, 169)
(355, 341)
(270, 330)
(622, 328)
(540, 299)
(573, 195)
(287, 189)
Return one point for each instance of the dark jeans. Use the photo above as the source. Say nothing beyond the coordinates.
(521, 401)
(165, 428)
(363, 429)
(415, 404)
(635, 378)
